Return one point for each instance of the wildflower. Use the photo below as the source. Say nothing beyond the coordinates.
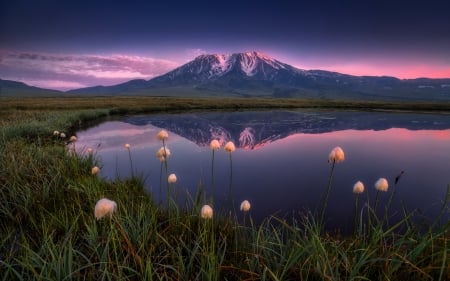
(104, 207)
(214, 145)
(90, 151)
(381, 184)
(229, 147)
(95, 170)
(55, 133)
(245, 206)
(73, 139)
(62, 135)
(172, 178)
(127, 146)
(163, 153)
(206, 212)
(162, 135)
(336, 155)
(358, 187)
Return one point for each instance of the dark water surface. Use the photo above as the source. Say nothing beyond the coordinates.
(280, 164)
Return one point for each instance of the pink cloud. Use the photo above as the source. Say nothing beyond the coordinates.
(66, 72)
(400, 67)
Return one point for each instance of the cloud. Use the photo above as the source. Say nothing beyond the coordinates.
(193, 53)
(56, 84)
(65, 71)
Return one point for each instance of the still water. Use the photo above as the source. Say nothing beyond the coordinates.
(281, 161)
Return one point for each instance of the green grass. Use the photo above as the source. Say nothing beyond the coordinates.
(48, 230)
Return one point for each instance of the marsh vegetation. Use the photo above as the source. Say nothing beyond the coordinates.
(51, 231)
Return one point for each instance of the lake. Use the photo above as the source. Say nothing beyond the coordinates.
(281, 160)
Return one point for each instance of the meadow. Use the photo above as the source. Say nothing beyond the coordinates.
(49, 230)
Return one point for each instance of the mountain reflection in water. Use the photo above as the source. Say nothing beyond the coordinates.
(280, 164)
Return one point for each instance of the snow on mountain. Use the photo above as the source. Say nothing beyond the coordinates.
(222, 65)
(212, 67)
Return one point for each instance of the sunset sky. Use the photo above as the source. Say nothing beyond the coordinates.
(72, 44)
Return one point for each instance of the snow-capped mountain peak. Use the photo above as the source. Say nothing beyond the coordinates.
(248, 63)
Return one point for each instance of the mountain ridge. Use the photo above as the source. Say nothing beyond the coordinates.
(255, 74)
(20, 89)
(252, 74)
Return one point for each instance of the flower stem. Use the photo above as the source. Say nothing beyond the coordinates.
(325, 202)
(131, 163)
(230, 195)
(388, 206)
(212, 177)
(356, 214)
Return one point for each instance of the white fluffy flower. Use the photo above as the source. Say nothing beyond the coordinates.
(95, 170)
(336, 155)
(162, 135)
(245, 206)
(163, 153)
(381, 184)
(206, 212)
(229, 147)
(214, 145)
(358, 187)
(127, 146)
(104, 207)
(172, 178)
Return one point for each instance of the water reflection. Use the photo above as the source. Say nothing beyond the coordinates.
(281, 165)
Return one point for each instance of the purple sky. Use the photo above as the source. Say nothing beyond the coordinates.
(72, 44)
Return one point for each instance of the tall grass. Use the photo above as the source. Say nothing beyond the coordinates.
(48, 230)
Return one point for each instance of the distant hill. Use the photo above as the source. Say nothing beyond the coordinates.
(10, 88)
(255, 74)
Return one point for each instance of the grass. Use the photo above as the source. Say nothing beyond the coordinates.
(48, 230)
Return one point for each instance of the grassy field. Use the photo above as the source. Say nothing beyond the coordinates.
(150, 104)
(48, 230)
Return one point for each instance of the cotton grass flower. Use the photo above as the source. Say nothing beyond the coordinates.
(172, 178)
(229, 147)
(127, 146)
(358, 187)
(162, 154)
(214, 145)
(104, 207)
(56, 133)
(162, 135)
(73, 139)
(336, 155)
(62, 135)
(95, 170)
(245, 206)
(381, 184)
(206, 212)
(90, 150)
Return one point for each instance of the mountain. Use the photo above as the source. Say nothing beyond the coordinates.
(256, 74)
(10, 88)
